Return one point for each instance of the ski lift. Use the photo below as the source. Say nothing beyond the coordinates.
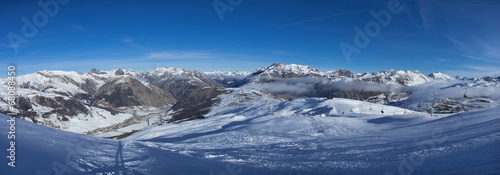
(465, 93)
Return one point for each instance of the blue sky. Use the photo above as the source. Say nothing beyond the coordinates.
(449, 36)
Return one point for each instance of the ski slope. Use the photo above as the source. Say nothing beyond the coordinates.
(280, 137)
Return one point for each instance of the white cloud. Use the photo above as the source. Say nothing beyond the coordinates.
(130, 42)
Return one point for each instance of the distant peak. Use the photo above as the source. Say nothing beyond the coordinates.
(277, 64)
(288, 71)
(119, 72)
(164, 69)
(96, 71)
(439, 75)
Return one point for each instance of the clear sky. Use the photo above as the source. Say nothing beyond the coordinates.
(449, 36)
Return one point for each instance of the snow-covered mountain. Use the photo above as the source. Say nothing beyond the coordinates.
(399, 77)
(103, 102)
(341, 73)
(178, 81)
(86, 102)
(440, 76)
(228, 73)
(229, 78)
(128, 91)
(279, 70)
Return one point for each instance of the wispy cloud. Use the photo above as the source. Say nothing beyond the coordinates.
(318, 18)
(10, 46)
(35, 52)
(475, 71)
(442, 59)
(482, 52)
(490, 50)
(426, 14)
(178, 55)
(475, 48)
(130, 42)
(78, 28)
(451, 39)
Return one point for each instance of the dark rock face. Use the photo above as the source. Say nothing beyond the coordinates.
(132, 92)
(119, 97)
(96, 71)
(345, 73)
(231, 82)
(90, 86)
(64, 107)
(119, 72)
(196, 104)
(24, 104)
(179, 82)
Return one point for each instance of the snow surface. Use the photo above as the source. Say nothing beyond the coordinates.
(271, 139)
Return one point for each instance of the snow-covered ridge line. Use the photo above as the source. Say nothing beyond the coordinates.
(228, 73)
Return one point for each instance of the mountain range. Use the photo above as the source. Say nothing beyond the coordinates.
(119, 101)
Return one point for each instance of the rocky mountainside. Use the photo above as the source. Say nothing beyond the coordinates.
(178, 81)
(105, 102)
(126, 91)
(99, 98)
(399, 77)
(229, 79)
(279, 70)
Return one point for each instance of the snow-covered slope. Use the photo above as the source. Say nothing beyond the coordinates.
(312, 136)
(234, 107)
(43, 150)
(271, 138)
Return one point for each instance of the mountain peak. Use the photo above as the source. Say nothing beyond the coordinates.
(288, 71)
(119, 72)
(439, 76)
(96, 71)
(277, 64)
